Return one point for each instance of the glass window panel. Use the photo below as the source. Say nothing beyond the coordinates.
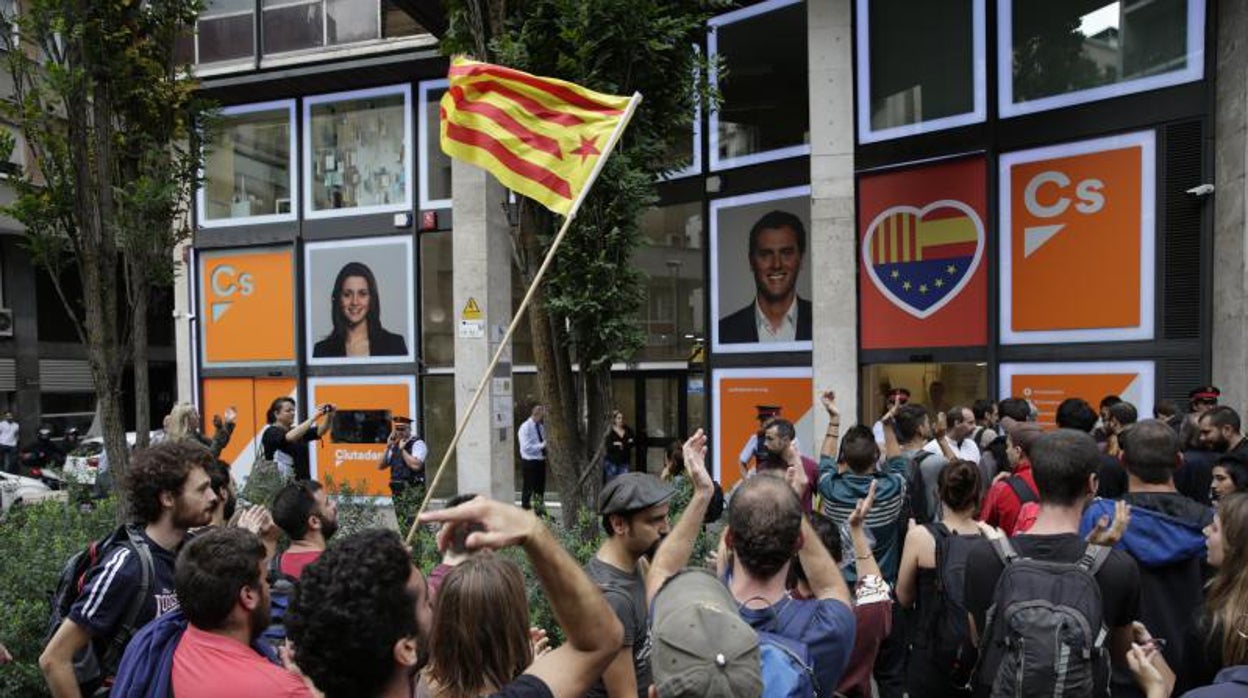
(522, 340)
(675, 284)
(291, 25)
(436, 185)
(438, 412)
(936, 386)
(1070, 51)
(352, 20)
(662, 419)
(764, 114)
(226, 30)
(437, 314)
(919, 62)
(359, 152)
(247, 170)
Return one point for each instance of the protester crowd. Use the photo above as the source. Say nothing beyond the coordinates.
(967, 553)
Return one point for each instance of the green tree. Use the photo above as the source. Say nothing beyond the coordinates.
(586, 311)
(107, 114)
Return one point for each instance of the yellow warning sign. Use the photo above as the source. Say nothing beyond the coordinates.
(472, 311)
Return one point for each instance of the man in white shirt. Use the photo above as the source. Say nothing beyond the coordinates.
(532, 437)
(9, 430)
(953, 436)
(777, 248)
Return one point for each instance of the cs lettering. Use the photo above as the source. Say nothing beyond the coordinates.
(227, 282)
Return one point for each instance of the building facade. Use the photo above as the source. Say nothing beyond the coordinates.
(988, 198)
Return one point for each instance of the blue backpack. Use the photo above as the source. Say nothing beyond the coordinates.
(281, 590)
(787, 665)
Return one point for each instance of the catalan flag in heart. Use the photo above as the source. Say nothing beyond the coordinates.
(541, 137)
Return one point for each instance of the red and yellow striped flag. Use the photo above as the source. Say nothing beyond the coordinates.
(539, 136)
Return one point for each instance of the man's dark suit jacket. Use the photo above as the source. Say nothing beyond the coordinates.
(740, 327)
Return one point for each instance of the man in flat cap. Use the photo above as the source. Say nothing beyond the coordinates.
(634, 517)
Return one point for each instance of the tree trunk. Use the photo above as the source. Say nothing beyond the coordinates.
(142, 383)
(554, 376)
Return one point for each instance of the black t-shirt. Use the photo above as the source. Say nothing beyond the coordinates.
(294, 455)
(1119, 577)
(620, 448)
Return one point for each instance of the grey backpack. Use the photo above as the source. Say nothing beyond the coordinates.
(1045, 633)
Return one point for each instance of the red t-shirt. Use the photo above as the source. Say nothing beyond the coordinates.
(1001, 506)
(206, 665)
(292, 564)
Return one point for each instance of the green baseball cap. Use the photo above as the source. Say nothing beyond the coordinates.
(701, 646)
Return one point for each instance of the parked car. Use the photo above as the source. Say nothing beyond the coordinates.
(82, 464)
(17, 489)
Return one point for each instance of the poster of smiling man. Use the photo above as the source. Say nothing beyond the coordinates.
(358, 294)
(760, 281)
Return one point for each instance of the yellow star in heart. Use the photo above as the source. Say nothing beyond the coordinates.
(939, 283)
(951, 269)
(922, 288)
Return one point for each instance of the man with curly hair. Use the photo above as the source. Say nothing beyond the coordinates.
(169, 492)
(361, 615)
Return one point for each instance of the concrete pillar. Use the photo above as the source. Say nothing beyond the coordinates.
(481, 279)
(184, 340)
(1230, 254)
(832, 227)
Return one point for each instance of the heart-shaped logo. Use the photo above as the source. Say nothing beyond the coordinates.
(922, 258)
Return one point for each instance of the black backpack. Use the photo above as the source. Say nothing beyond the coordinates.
(916, 493)
(92, 669)
(1045, 633)
(946, 630)
(281, 591)
(1022, 490)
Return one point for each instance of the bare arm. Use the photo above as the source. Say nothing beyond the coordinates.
(892, 449)
(908, 576)
(674, 553)
(295, 434)
(57, 660)
(831, 438)
(941, 442)
(593, 631)
(620, 679)
(864, 557)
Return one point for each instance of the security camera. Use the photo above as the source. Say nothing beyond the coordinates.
(1201, 190)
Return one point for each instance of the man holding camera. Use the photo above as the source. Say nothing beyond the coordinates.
(405, 457)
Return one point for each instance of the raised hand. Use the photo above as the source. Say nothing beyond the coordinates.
(859, 516)
(829, 403)
(695, 461)
(502, 525)
(1108, 534)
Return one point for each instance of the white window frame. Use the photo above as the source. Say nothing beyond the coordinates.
(427, 203)
(979, 77)
(309, 212)
(292, 171)
(1146, 141)
(1008, 108)
(712, 49)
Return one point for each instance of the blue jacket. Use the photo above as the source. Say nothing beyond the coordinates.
(1232, 682)
(1166, 538)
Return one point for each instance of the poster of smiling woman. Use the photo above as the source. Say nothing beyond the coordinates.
(358, 294)
(760, 276)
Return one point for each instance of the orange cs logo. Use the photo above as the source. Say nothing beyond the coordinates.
(1048, 195)
(227, 283)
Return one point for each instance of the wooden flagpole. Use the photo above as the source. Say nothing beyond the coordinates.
(524, 304)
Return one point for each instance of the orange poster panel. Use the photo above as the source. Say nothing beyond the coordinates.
(737, 393)
(352, 450)
(1047, 385)
(247, 310)
(250, 397)
(1079, 254)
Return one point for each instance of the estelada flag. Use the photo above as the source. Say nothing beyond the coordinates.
(539, 136)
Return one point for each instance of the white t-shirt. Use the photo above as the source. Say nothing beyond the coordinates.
(967, 450)
(8, 432)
